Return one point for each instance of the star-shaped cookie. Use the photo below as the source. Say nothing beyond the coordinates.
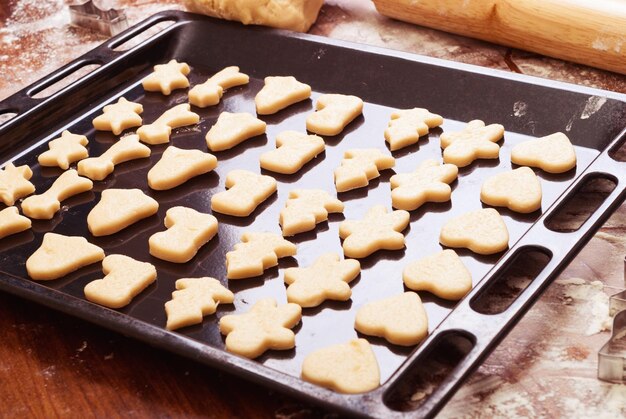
(64, 150)
(14, 183)
(167, 77)
(119, 116)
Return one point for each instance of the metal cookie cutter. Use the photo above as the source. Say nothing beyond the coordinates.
(92, 15)
(612, 356)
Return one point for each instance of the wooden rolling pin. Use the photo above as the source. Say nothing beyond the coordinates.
(591, 32)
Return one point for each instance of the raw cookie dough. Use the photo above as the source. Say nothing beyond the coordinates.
(14, 183)
(334, 113)
(118, 209)
(64, 150)
(293, 150)
(11, 222)
(349, 368)
(45, 205)
(408, 125)
(210, 92)
(482, 231)
(246, 190)
(232, 129)
(442, 274)
(326, 279)
(60, 255)
(279, 93)
(124, 279)
(519, 190)
(187, 231)
(379, 229)
(296, 15)
(119, 116)
(265, 326)
(126, 149)
(400, 319)
(255, 253)
(167, 77)
(359, 166)
(159, 131)
(177, 166)
(476, 141)
(429, 183)
(305, 208)
(553, 153)
(193, 299)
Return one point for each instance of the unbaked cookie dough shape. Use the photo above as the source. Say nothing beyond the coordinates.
(45, 205)
(232, 129)
(306, 208)
(64, 150)
(126, 149)
(255, 253)
(326, 279)
(400, 319)
(266, 326)
(193, 299)
(167, 77)
(475, 141)
(159, 131)
(429, 183)
(379, 229)
(349, 368)
(177, 166)
(280, 92)
(482, 231)
(187, 231)
(519, 190)
(124, 279)
(408, 125)
(293, 150)
(334, 113)
(118, 209)
(60, 255)
(15, 183)
(246, 190)
(210, 92)
(359, 166)
(442, 274)
(553, 153)
(119, 116)
(11, 222)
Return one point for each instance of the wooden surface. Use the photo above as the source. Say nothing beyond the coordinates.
(54, 365)
(588, 32)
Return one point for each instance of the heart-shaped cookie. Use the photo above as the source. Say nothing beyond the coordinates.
(553, 153)
(346, 368)
(482, 232)
(400, 319)
(443, 274)
(519, 190)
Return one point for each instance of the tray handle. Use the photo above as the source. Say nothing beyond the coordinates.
(485, 331)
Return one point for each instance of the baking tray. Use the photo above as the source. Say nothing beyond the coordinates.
(461, 334)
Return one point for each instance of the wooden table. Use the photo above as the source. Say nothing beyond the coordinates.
(55, 365)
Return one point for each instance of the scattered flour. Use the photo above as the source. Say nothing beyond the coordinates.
(597, 302)
(593, 105)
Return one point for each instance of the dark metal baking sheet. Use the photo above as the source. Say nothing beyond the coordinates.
(386, 80)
